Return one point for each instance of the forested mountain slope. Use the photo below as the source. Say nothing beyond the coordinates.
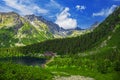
(95, 54)
(82, 43)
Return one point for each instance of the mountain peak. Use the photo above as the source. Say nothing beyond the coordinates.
(52, 26)
(9, 13)
(30, 17)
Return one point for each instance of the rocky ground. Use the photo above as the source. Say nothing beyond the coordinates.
(73, 78)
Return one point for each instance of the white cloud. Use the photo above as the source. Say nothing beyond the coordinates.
(24, 9)
(105, 12)
(53, 4)
(80, 7)
(64, 20)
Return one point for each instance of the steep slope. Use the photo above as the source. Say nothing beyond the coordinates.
(57, 31)
(53, 28)
(94, 25)
(20, 31)
(95, 54)
(17, 31)
(81, 43)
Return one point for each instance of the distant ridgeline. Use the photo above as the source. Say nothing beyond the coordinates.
(17, 30)
(111, 26)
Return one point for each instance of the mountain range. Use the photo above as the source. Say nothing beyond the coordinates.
(64, 54)
(16, 30)
(105, 35)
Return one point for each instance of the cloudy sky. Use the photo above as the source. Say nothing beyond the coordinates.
(66, 13)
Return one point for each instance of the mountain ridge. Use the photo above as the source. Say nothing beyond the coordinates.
(95, 54)
(84, 42)
(24, 30)
(17, 31)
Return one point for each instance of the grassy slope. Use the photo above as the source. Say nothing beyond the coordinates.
(16, 31)
(100, 63)
(77, 44)
(10, 71)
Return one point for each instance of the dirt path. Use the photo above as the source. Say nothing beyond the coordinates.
(50, 60)
(72, 77)
(47, 62)
(77, 77)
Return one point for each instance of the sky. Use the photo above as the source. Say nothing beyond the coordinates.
(68, 14)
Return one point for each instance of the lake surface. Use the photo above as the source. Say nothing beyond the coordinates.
(25, 60)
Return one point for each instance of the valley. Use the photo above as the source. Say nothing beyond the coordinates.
(32, 53)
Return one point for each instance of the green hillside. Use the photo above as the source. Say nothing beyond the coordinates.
(17, 31)
(95, 54)
(81, 43)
